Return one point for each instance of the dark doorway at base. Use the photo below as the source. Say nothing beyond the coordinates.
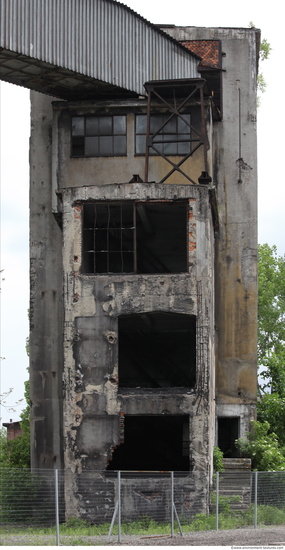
(228, 432)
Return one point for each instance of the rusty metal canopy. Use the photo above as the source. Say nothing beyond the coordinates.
(182, 86)
(83, 49)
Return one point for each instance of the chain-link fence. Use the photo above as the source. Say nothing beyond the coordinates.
(116, 504)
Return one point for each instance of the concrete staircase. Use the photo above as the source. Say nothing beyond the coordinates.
(235, 481)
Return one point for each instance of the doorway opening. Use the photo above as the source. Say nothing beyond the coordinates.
(228, 432)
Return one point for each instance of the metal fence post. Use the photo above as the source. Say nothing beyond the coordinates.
(172, 504)
(119, 506)
(217, 501)
(255, 502)
(56, 506)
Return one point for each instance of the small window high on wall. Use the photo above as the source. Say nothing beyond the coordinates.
(99, 136)
(171, 139)
(157, 350)
(135, 237)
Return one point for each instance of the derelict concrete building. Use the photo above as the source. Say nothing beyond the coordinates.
(143, 236)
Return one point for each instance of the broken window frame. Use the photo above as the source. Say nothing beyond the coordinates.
(79, 138)
(135, 205)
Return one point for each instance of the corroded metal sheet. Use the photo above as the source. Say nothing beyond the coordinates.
(99, 39)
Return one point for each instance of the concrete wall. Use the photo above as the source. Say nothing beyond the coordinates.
(92, 305)
(68, 171)
(46, 305)
(235, 178)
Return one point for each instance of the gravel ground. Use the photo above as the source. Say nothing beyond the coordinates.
(267, 536)
(235, 537)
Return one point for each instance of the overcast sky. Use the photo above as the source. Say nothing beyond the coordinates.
(14, 104)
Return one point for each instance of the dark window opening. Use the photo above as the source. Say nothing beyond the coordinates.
(157, 350)
(108, 238)
(171, 139)
(228, 432)
(153, 443)
(135, 237)
(99, 136)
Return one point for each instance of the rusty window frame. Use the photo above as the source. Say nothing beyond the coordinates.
(114, 234)
(79, 136)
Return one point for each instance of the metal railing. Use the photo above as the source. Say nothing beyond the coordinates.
(115, 504)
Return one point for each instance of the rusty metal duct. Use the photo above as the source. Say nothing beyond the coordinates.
(86, 48)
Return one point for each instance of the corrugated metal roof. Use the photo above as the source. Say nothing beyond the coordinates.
(102, 40)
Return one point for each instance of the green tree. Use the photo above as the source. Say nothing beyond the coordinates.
(271, 409)
(218, 460)
(265, 443)
(271, 339)
(271, 318)
(16, 453)
(264, 53)
(262, 447)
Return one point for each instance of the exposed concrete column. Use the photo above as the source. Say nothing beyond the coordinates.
(45, 297)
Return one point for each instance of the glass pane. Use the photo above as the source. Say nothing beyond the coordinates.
(92, 126)
(77, 146)
(171, 126)
(183, 148)
(105, 126)
(156, 122)
(120, 145)
(158, 146)
(170, 148)
(91, 146)
(140, 145)
(106, 145)
(120, 126)
(170, 138)
(182, 126)
(141, 124)
(78, 125)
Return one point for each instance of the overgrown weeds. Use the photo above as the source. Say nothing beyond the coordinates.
(74, 529)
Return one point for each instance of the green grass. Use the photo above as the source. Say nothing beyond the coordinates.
(74, 531)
